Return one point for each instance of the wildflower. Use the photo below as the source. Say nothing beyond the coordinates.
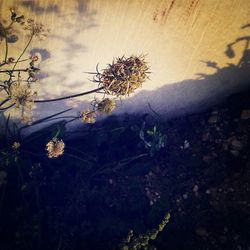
(124, 75)
(23, 98)
(21, 94)
(88, 116)
(55, 148)
(36, 29)
(106, 106)
(16, 146)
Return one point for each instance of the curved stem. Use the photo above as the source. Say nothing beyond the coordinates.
(3, 109)
(6, 46)
(4, 101)
(70, 96)
(27, 45)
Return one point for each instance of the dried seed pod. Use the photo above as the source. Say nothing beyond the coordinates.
(88, 116)
(124, 75)
(106, 106)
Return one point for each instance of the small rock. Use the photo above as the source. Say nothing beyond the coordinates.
(186, 144)
(185, 196)
(236, 144)
(208, 191)
(213, 119)
(195, 189)
(245, 114)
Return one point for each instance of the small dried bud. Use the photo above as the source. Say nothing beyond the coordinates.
(88, 116)
(10, 60)
(16, 146)
(106, 106)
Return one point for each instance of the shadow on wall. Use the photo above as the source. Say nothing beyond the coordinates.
(181, 98)
(38, 9)
(77, 19)
(191, 96)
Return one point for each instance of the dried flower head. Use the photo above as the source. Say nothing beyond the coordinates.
(10, 60)
(15, 18)
(55, 148)
(16, 146)
(36, 29)
(124, 75)
(88, 116)
(23, 97)
(106, 106)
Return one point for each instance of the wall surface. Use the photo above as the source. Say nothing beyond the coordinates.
(198, 50)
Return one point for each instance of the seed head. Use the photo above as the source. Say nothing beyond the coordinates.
(106, 106)
(88, 116)
(55, 148)
(124, 75)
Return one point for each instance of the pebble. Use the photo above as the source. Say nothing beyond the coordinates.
(195, 189)
(208, 191)
(213, 119)
(185, 196)
(236, 144)
(186, 144)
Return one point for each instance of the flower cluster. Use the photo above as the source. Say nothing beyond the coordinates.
(36, 29)
(55, 148)
(23, 97)
(88, 116)
(106, 106)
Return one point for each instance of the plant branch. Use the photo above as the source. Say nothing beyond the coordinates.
(14, 70)
(70, 96)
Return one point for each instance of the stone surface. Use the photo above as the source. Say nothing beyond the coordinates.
(195, 49)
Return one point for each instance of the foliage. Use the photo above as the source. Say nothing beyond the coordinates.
(152, 139)
(142, 241)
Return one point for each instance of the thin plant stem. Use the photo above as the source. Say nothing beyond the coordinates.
(48, 118)
(6, 42)
(24, 50)
(76, 157)
(14, 70)
(6, 46)
(10, 106)
(4, 101)
(70, 96)
(120, 164)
